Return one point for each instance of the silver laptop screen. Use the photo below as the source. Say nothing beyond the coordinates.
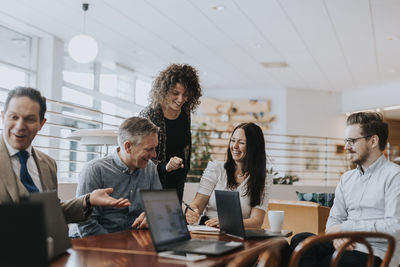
(165, 217)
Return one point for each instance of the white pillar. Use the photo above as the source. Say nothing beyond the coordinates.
(50, 67)
(49, 82)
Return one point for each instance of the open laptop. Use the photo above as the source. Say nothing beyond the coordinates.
(55, 225)
(168, 227)
(231, 219)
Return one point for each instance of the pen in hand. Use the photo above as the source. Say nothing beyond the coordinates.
(187, 206)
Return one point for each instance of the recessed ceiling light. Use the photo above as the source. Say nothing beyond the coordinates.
(278, 64)
(257, 45)
(218, 7)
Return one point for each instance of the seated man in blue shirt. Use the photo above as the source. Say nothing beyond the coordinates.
(127, 170)
(367, 198)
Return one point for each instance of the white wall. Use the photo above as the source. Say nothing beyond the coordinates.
(314, 113)
(386, 95)
(297, 111)
(277, 98)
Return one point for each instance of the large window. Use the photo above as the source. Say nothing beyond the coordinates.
(11, 77)
(79, 78)
(118, 82)
(94, 85)
(106, 95)
(76, 97)
(17, 61)
(16, 49)
(142, 92)
(93, 96)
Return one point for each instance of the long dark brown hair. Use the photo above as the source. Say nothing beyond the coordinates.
(254, 163)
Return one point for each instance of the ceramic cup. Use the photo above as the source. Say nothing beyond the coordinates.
(275, 218)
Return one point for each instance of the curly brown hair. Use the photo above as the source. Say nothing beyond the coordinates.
(168, 78)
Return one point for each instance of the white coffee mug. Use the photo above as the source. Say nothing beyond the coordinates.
(275, 218)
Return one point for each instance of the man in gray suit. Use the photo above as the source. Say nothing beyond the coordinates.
(25, 169)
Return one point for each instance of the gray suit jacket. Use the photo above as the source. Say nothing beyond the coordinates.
(11, 189)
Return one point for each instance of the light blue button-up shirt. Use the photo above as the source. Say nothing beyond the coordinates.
(370, 201)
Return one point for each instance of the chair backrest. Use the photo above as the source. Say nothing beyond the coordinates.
(300, 216)
(265, 253)
(352, 237)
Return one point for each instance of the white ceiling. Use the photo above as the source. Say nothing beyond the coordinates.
(331, 45)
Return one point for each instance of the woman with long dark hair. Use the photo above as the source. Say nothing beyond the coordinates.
(244, 171)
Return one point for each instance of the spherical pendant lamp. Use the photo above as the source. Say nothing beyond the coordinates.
(83, 48)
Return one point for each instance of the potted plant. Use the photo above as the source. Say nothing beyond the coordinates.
(286, 179)
(201, 152)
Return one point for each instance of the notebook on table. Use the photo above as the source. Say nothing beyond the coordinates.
(204, 230)
(231, 219)
(168, 227)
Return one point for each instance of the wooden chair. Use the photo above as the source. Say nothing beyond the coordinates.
(266, 253)
(353, 237)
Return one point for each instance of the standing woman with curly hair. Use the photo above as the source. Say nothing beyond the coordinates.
(174, 96)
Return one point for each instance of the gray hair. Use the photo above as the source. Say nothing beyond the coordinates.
(133, 129)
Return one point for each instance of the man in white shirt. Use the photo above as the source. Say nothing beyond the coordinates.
(366, 199)
(25, 169)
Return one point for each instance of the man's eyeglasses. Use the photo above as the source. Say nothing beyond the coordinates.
(352, 141)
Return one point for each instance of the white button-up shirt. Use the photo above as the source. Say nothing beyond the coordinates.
(370, 201)
(30, 164)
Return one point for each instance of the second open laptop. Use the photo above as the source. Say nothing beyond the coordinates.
(55, 225)
(231, 219)
(168, 227)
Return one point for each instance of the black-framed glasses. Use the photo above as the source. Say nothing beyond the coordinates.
(352, 141)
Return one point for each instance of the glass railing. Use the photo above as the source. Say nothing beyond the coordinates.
(305, 159)
(62, 119)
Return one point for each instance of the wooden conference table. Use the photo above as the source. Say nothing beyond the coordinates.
(134, 248)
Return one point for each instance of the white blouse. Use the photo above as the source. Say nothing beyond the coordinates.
(215, 178)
